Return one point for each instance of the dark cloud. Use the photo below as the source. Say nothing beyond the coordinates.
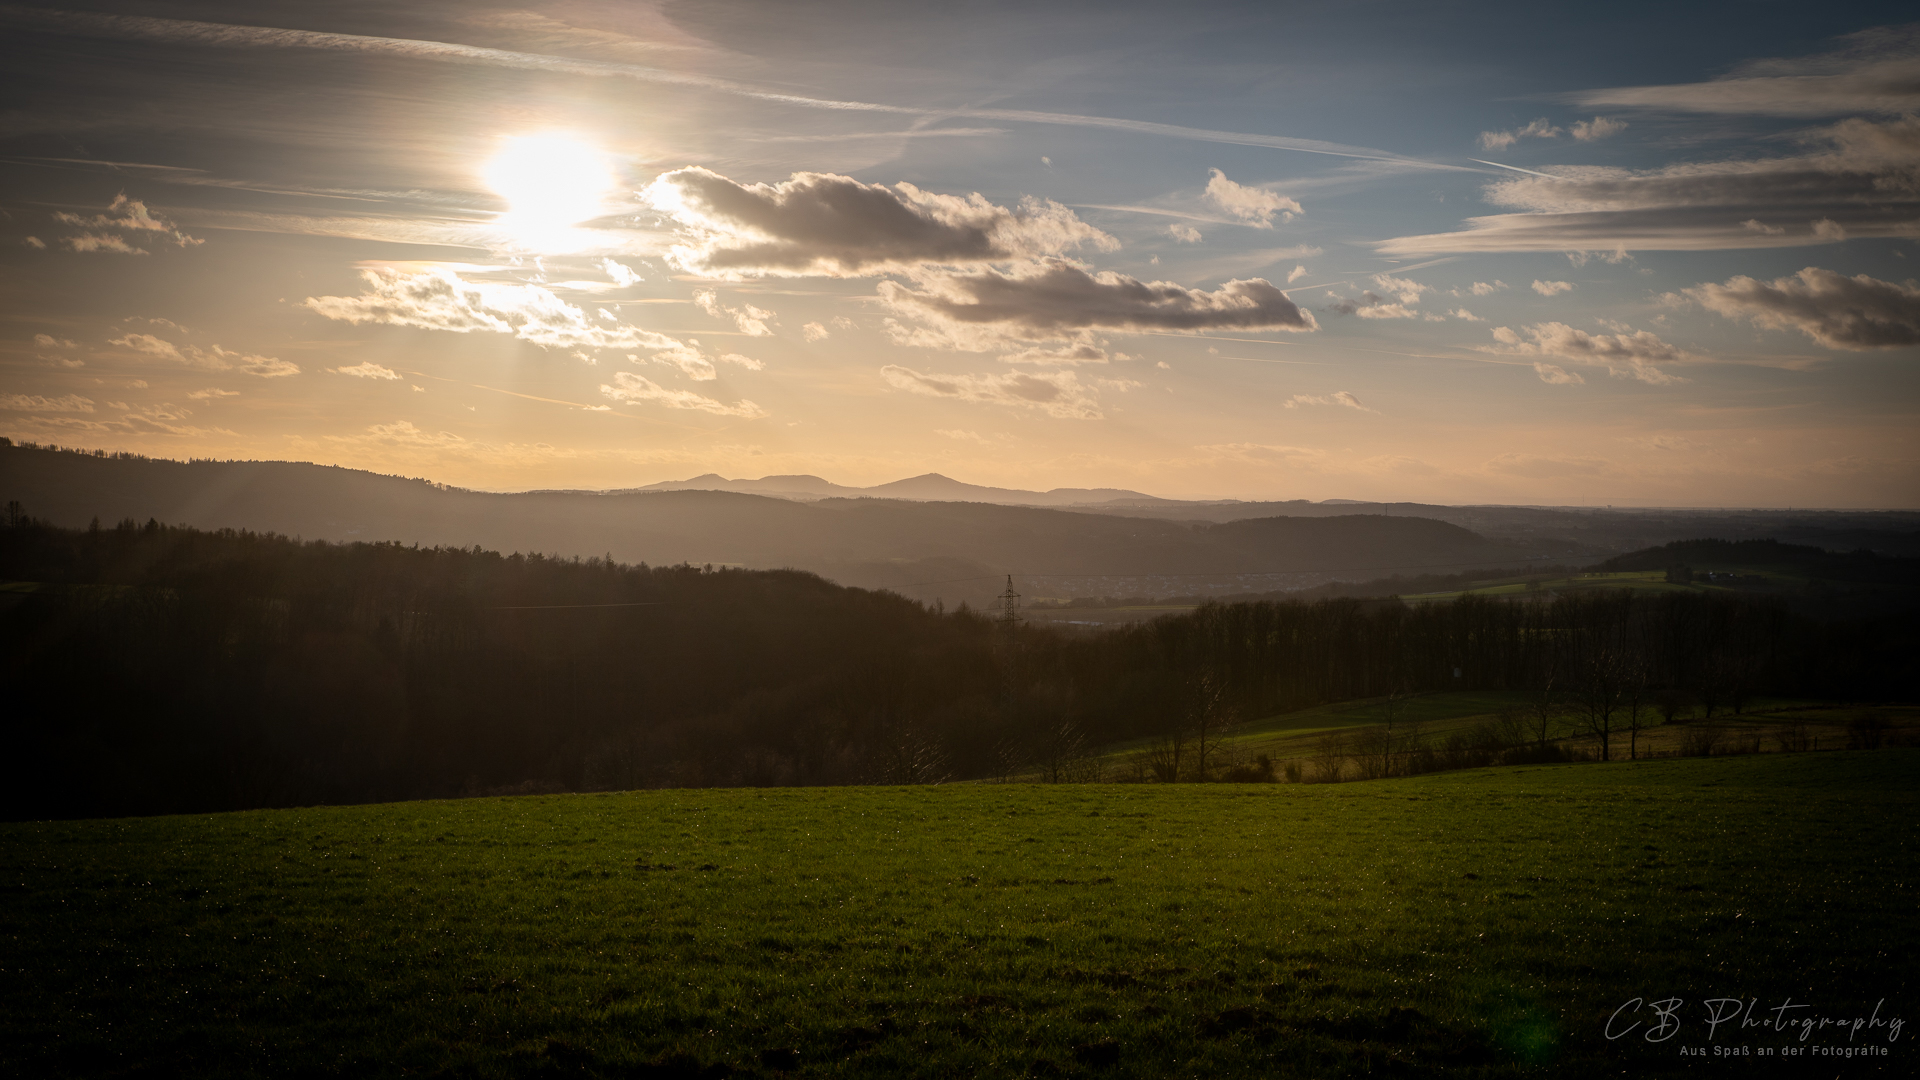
(1840, 312)
(819, 224)
(1054, 298)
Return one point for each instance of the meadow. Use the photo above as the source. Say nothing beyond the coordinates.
(1477, 923)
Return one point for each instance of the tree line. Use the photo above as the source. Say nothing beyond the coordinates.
(153, 669)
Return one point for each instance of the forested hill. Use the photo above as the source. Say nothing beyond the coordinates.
(865, 541)
(154, 669)
(1804, 560)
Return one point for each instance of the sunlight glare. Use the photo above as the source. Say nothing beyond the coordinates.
(551, 184)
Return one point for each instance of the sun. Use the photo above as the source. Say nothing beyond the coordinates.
(552, 183)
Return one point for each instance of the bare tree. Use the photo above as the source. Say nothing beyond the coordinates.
(1210, 715)
(1636, 687)
(1602, 685)
(1164, 754)
(1543, 711)
(1330, 757)
(1059, 749)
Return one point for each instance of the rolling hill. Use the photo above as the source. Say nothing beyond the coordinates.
(948, 550)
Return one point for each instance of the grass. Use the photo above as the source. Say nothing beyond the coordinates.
(1481, 923)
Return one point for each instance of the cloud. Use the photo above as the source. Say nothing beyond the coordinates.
(440, 299)
(751, 320)
(48, 341)
(212, 393)
(1253, 206)
(76, 414)
(34, 403)
(1485, 288)
(1186, 234)
(1626, 355)
(634, 389)
(210, 359)
(1338, 397)
(1858, 178)
(1839, 312)
(1054, 298)
(1296, 274)
(127, 215)
(962, 436)
(1876, 71)
(820, 224)
(1371, 305)
(267, 367)
(1465, 316)
(621, 274)
(1500, 140)
(814, 331)
(688, 360)
(101, 242)
(368, 370)
(1068, 353)
(1554, 373)
(1551, 288)
(35, 243)
(147, 343)
(226, 35)
(1600, 127)
(1056, 393)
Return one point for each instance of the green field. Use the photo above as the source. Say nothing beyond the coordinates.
(1478, 923)
(1641, 581)
(1429, 720)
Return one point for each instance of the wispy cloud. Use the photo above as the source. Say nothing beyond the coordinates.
(1500, 140)
(1056, 393)
(227, 35)
(631, 389)
(36, 403)
(1338, 397)
(1875, 71)
(122, 215)
(442, 300)
(751, 320)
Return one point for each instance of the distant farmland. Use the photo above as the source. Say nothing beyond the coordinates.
(1481, 923)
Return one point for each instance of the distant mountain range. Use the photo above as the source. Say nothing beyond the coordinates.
(930, 487)
(929, 536)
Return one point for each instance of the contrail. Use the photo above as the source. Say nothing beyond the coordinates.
(1518, 169)
(232, 36)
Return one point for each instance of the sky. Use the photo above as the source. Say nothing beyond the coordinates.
(1629, 254)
